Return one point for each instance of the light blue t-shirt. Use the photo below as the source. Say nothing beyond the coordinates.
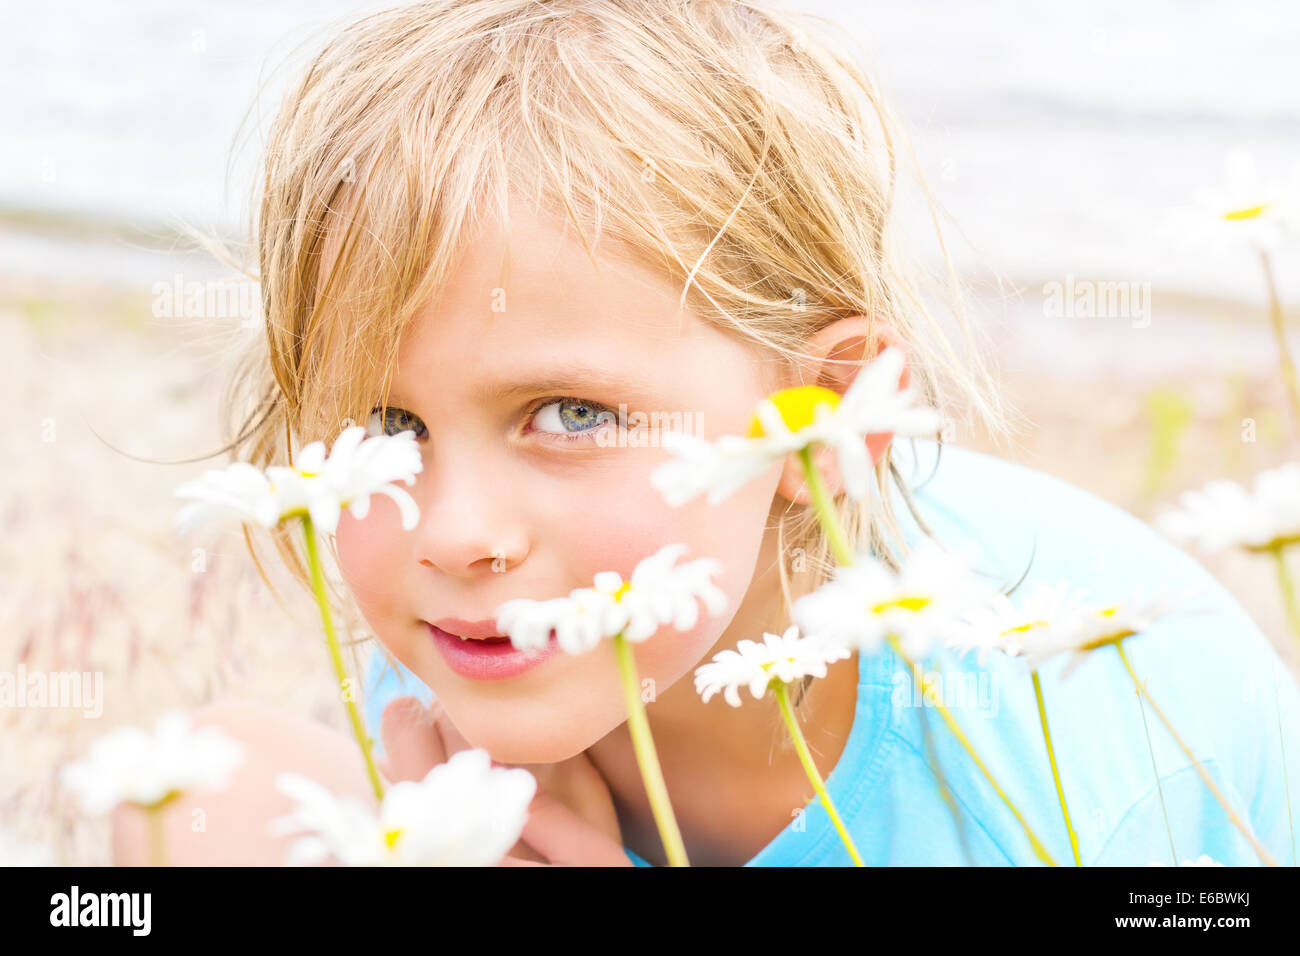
(1208, 667)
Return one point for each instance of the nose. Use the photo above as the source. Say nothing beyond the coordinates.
(468, 523)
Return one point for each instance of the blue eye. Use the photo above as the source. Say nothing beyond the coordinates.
(391, 421)
(569, 417)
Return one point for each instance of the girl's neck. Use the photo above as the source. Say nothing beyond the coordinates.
(733, 777)
(734, 784)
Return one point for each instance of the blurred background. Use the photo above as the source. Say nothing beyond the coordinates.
(1069, 143)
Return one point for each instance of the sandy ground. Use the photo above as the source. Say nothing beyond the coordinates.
(96, 581)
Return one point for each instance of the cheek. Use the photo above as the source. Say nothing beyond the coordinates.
(636, 522)
(367, 552)
(612, 523)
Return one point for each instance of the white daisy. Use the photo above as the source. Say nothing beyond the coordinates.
(873, 405)
(1049, 617)
(147, 769)
(1105, 624)
(794, 419)
(664, 592)
(718, 468)
(658, 594)
(1224, 514)
(580, 620)
(238, 491)
(317, 485)
(1248, 209)
(786, 657)
(931, 598)
(465, 812)
(529, 623)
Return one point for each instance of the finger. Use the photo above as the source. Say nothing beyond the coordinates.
(523, 851)
(578, 785)
(453, 740)
(516, 861)
(564, 838)
(411, 739)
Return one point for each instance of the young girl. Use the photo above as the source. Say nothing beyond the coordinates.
(499, 224)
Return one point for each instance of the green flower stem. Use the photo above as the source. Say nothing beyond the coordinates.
(331, 638)
(1039, 850)
(1056, 774)
(932, 755)
(810, 768)
(1288, 590)
(825, 511)
(655, 788)
(1278, 323)
(157, 851)
(1155, 772)
(844, 555)
(1209, 782)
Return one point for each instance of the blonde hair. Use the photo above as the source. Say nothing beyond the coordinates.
(734, 146)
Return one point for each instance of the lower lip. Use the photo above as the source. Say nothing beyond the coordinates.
(488, 660)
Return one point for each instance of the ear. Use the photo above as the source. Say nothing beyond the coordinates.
(835, 354)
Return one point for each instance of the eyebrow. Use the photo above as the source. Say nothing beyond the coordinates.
(572, 381)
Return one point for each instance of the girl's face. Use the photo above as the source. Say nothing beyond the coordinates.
(503, 378)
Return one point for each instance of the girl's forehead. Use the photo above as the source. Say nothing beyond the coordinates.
(529, 301)
(532, 279)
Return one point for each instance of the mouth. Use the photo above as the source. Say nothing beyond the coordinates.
(486, 657)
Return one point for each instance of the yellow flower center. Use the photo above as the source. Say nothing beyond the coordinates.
(797, 407)
(1249, 212)
(1105, 639)
(903, 603)
(390, 837)
(162, 801)
(1029, 626)
(1112, 638)
(622, 589)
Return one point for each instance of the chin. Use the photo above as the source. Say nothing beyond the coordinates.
(527, 741)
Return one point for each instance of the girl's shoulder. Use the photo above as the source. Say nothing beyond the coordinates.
(1215, 677)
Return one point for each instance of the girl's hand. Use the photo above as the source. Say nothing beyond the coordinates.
(571, 820)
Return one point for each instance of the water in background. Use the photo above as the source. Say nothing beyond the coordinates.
(1057, 137)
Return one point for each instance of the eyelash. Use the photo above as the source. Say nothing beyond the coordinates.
(578, 436)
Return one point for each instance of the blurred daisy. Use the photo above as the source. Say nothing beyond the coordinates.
(785, 658)
(1049, 616)
(797, 418)
(931, 598)
(465, 812)
(317, 485)
(148, 769)
(1247, 210)
(1224, 514)
(1103, 625)
(659, 593)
